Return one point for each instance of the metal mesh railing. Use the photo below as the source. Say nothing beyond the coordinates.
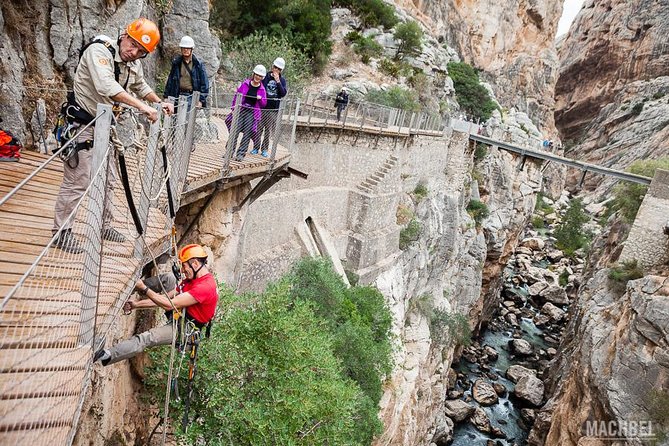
(61, 300)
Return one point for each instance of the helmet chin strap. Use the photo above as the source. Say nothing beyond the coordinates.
(194, 271)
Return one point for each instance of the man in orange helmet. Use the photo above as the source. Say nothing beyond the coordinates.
(197, 298)
(107, 71)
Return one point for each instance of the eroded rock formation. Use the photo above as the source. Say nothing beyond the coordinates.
(610, 95)
(512, 42)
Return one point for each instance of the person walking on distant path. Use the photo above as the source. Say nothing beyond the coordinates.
(198, 297)
(276, 89)
(187, 74)
(107, 70)
(253, 99)
(341, 101)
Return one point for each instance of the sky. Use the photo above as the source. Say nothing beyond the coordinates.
(571, 8)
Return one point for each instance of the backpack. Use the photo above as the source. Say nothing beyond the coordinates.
(10, 147)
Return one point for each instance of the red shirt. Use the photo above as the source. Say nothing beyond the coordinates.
(204, 291)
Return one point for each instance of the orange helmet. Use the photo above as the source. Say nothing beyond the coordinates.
(192, 252)
(145, 32)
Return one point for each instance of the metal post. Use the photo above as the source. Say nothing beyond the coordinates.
(90, 282)
(311, 110)
(232, 136)
(292, 135)
(188, 146)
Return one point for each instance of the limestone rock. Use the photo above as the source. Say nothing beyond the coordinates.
(531, 389)
(533, 243)
(553, 312)
(443, 432)
(521, 347)
(515, 372)
(458, 410)
(484, 393)
(555, 294)
(480, 420)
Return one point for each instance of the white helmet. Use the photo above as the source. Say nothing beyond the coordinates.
(279, 63)
(187, 42)
(260, 70)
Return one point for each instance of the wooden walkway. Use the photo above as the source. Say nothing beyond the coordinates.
(44, 369)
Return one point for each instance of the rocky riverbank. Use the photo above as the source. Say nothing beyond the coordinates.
(497, 386)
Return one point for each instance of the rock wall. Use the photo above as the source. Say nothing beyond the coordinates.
(443, 269)
(610, 96)
(511, 42)
(40, 43)
(613, 366)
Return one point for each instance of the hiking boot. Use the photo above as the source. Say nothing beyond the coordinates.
(264, 153)
(112, 235)
(67, 242)
(102, 355)
(254, 152)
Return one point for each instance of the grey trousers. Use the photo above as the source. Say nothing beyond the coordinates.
(132, 347)
(161, 335)
(75, 182)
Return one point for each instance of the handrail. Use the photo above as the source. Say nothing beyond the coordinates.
(547, 156)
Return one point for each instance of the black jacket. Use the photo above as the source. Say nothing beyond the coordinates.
(198, 78)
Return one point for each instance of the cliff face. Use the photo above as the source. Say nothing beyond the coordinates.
(40, 43)
(610, 103)
(511, 42)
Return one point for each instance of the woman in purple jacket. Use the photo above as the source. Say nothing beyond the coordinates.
(254, 98)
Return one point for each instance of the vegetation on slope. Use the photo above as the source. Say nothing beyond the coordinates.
(301, 363)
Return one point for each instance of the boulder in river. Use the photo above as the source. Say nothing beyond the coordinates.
(458, 410)
(484, 393)
(531, 389)
(515, 372)
(521, 347)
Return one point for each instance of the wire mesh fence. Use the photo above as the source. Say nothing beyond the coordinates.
(57, 309)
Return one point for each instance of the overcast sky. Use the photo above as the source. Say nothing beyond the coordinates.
(571, 8)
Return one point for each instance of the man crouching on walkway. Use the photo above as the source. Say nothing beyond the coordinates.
(197, 299)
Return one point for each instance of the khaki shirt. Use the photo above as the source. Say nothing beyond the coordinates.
(94, 81)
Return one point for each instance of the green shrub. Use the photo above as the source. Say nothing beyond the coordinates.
(637, 109)
(403, 214)
(480, 152)
(658, 411)
(409, 234)
(389, 67)
(628, 196)
(256, 48)
(409, 35)
(569, 234)
(300, 364)
(396, 97)
(478, 211)
(563, 280)
(305, 25)
(366, 48)
(452, 326)
(542, 206)
(420, 192)
(623, 273)
(419, 80)
(373, 13)
(473, 98)
(538, 223)
(658, 95)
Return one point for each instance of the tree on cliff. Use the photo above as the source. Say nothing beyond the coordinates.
(409, 35)
(473, 97)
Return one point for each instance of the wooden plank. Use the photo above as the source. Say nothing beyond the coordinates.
(36, 437)
(34, 384)
(39, 337)
(27, 412)
(34, 360)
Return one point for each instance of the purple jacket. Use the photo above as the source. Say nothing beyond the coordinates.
(257, 113)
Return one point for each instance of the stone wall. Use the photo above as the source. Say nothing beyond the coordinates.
(353, 192)
(647, 243)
